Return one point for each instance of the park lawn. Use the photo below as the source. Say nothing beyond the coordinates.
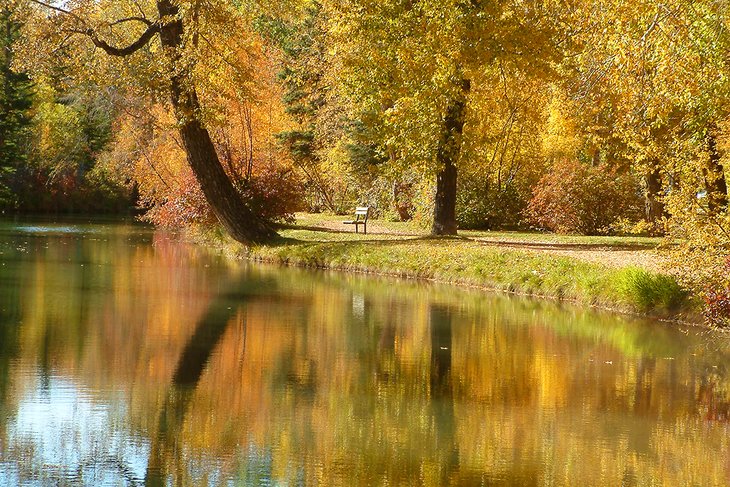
(381, 228)
(315, 241)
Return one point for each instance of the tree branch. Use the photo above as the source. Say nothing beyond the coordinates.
(127, 50)
(144, 20)
(152, 29)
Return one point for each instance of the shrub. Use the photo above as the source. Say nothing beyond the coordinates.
(707, 273)
(699, 250)
(717, 307)
(480, 207)
(179, 205)
(579, 198)
(274, 193)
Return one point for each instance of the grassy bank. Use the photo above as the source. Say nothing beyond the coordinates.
(474, 262)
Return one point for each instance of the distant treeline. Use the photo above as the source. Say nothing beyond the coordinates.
(52, 137)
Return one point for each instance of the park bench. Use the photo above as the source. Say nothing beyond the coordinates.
(361, 218)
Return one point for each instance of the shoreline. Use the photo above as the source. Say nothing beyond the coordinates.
(464, 263)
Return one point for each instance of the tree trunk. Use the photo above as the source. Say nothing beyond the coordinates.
(654, 207)
(444, 210)
(714, 173)
(237, 218)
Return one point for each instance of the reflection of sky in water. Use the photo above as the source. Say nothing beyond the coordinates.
(55, 229)
(59, 433)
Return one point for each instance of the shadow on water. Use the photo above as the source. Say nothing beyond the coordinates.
(9, 318)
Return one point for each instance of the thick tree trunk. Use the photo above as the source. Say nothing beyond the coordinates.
(653, 206)
(237, 218)
(444, 210)
(714, 173)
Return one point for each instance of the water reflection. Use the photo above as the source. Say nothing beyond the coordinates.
(70, 438)
(129, 358)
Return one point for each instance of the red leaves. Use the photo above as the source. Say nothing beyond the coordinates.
(579, 198)
(717, 302)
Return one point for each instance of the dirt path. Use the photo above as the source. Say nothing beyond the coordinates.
(646, 259)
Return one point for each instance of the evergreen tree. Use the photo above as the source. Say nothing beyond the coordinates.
(311, 99)
(302, 77)
(15, 103)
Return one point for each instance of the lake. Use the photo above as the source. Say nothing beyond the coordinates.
(128, 357)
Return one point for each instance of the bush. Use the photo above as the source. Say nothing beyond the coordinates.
(579, 198)
(178, 205)
(480, 207)
(274, 193)
(717, 307)
(700, 249)
(707, 273)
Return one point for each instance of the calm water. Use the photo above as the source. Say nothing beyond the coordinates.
(127, 358)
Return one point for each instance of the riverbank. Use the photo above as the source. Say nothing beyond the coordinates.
(582, 270)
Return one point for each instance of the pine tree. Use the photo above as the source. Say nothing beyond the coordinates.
(16, 97)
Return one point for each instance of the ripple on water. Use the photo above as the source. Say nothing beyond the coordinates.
(63, 433)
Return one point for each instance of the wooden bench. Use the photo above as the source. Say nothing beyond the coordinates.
(361, 218)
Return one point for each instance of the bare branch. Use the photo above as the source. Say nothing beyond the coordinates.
(62, 44)
(57, 9)
(139, 9)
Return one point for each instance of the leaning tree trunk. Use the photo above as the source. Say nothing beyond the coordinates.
(714, 173)
(237, 218)
(444, 210)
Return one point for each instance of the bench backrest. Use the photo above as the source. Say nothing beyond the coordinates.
(362, 211)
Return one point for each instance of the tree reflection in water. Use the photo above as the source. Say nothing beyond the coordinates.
(442, 392)
(163, 366)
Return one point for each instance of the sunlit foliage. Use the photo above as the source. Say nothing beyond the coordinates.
(453, 113)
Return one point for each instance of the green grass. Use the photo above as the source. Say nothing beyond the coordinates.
(468, 261)
(381, 229)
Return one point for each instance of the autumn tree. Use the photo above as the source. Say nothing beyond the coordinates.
(664, 70)
(503, 154)
(302, 65)
(173, 38)
(411, 69)
(335, 152)
(661, 68)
